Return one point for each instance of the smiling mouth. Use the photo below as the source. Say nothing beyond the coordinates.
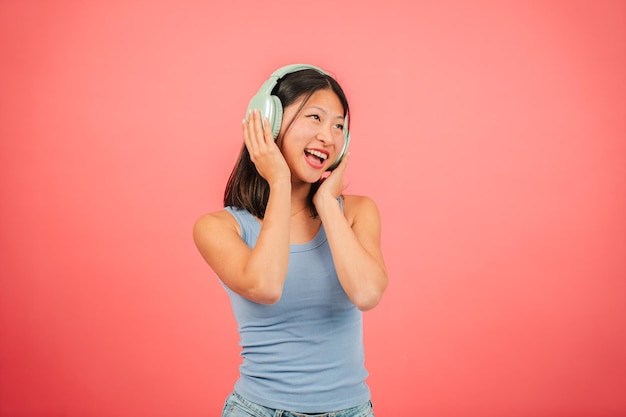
(319, 156)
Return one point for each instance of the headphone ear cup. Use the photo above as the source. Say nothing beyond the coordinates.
(344, 149)
(271, 108)
(277, 116)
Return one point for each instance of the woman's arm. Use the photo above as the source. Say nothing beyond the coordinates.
(354, 239)
(257, 274)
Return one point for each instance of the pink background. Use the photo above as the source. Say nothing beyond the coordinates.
(492, 134)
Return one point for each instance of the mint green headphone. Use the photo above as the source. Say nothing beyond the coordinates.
(271, 107)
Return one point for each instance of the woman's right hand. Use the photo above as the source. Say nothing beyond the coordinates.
(264, 153)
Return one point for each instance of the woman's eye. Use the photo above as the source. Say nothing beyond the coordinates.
(340, 127)
(315, 116)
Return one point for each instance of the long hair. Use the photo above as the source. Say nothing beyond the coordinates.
(246, 188)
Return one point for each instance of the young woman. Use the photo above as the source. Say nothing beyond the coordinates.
(299, 260)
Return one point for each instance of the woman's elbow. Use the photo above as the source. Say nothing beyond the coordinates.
(264, 294)
(269, 297)
(367, 300)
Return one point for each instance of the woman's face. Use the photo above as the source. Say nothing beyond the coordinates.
(312, 142)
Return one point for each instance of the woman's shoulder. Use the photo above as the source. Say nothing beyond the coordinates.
(220, 220)
(355, 206)
(354, 200)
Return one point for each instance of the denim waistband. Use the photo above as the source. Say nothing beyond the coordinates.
(237, 406)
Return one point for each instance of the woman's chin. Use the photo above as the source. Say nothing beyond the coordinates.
(309, 176)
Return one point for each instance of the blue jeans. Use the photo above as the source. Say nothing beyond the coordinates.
(237, 406)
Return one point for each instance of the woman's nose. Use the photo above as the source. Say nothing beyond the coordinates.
(325, 135)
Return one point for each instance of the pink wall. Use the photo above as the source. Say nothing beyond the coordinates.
(492, 135)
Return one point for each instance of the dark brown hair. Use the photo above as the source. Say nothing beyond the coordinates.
(246, 188)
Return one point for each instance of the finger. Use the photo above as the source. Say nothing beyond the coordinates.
(246, 132)
(267, 131)
(343, 163)
(259, 135)
(248, 135)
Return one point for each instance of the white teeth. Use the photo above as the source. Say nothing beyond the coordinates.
(319, 154)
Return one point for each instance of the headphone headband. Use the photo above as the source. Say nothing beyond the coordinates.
(269, 85)
(287, 69)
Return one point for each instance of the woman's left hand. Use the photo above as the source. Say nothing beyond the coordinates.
(333, 185)
(353, 234)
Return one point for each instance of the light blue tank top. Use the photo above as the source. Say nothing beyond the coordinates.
(304, 353)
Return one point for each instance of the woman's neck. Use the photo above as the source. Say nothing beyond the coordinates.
(299, 197)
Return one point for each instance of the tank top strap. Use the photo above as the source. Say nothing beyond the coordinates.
(250, 226)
